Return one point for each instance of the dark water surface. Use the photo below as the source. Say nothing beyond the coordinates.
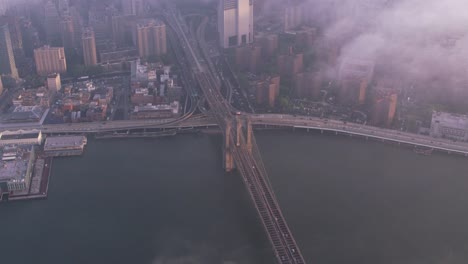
(169, 201)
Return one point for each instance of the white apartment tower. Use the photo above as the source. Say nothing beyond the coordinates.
(235, 22)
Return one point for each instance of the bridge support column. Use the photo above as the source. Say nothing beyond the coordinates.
(228, 159)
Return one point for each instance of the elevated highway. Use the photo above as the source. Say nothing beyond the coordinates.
(114, 126)
(258, 120)
(313, 123)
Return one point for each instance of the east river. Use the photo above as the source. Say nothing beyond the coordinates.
(155, 201)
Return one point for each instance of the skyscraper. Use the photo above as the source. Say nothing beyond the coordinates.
(7, 58)
(235, 22)
(1, 86)
(68, 34)
(50, 60)
(133, 7)
(52, 22)
(30, 37)
(89, 47)
(151, 38)
(77, 25)
(14, 24)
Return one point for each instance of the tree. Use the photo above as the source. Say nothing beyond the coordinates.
(284, 102)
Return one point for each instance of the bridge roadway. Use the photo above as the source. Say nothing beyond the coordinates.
(196, 121)
(251, 168)
(361, 130)
(271, 120)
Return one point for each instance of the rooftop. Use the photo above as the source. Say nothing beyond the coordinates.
(63, 142)
(20, 134)
(14, 170)
(25, 114)
(354, 68)
(149, 23)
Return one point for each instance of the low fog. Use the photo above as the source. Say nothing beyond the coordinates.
(418, 43)
(423, 43)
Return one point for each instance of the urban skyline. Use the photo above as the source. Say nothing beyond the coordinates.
(387, 71)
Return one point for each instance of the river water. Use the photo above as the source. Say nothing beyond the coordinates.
(169, 201)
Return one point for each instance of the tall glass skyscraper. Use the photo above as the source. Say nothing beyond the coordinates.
(235, 22)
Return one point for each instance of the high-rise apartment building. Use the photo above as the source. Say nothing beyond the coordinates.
(133, 7)
(355, 76)
(123, 28)
(89, 47)
(68, 34)
(308, 84)
(248, 57)
(290, 64)
(383, 108)
(267, 90)
(50, 60)
(77, 25)
(52, 22)
(7, 58)
(30, 37)
(296, 13)
(151, 38)
(235, 22)
(269, 44)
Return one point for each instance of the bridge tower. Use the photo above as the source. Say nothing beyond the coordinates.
(241, 140)
(227, 157)
(249, 134)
